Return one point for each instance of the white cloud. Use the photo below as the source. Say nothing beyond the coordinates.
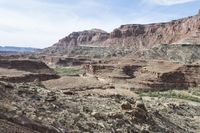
(40, 24)
(168, 2)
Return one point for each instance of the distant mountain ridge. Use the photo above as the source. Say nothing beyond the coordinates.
(17, 49)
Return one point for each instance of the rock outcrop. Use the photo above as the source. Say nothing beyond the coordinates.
(67, 44)
(162, 75)
(66, 61)
(25, 71)
(133, 37)
(26, 65)
(154, 75)
(157, 33)
(183, 53)
(84, 37)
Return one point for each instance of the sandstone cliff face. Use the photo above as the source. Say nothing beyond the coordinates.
(140, 37)
(133, 36)
(153, 75)
(84, 37)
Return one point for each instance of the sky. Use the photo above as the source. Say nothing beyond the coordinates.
(41, 23)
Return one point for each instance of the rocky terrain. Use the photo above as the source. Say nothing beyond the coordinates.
(182, 53)
(94, 106)
(25, 71)
(128, 38)
(103, 98)
(136, 79)
(146, 75)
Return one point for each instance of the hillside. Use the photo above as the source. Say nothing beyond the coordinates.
(128, 38)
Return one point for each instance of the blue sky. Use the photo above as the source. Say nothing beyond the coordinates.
(41, 23)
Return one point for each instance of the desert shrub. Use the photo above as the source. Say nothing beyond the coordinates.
(179, 94)
(69, 70)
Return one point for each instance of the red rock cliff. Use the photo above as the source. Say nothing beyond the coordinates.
(135, 36)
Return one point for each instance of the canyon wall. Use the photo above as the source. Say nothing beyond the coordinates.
(132, 37)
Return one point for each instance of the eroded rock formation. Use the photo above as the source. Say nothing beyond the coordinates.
(25, 71)
(133, 37)
(156, 75)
